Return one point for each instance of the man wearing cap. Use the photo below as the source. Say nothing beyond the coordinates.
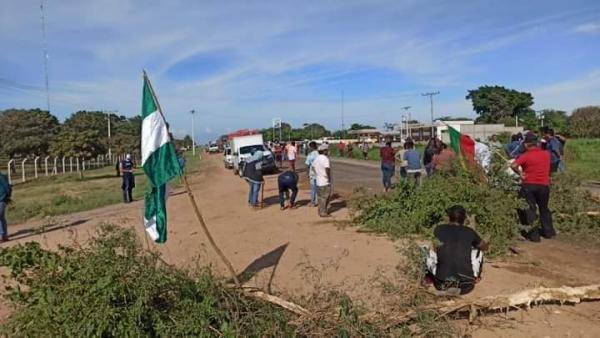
(128, 184)
(322, 170)
(535, 173)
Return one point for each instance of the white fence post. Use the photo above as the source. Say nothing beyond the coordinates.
(83, 164)
(46, 164)
(71, 164)
(55, 169)
(23, 168)
(9, 171)
(77, 163)
(64, 165)
(35, 161)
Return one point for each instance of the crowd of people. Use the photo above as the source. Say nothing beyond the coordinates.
(319, 175)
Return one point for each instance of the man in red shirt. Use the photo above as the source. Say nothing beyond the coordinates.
(388, 164)
(535, 172)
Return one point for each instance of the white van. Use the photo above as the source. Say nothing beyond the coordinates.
(242, 148)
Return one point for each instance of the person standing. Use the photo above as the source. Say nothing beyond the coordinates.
(442, 161)
(312, 176)
(457, 261)
(400, 159)
(365, 149)
(291, 155)
(322, 168)
(350, 149)
(341, 148)
(253, 175)
(5, 199)
(554, 147)
(287, 181)
(431, 150)
(535, 188)
(388, 165)
(413, 162)
(128, 183)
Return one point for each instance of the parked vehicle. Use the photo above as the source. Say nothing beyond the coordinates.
(213, 148)
(228, 157)
(242, 148)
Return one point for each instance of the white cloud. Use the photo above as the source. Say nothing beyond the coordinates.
(570, 94)
(590, 27)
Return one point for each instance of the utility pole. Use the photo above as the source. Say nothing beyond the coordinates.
(45, 43)
(343, 126)
(431, 94)
(193, 133)
(406, 119)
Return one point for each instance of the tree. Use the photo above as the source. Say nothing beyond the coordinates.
(495, 103)
(84, 134)
(555, 119)
(451, 118)
(26, 132)
(585, 122)
(358, 126)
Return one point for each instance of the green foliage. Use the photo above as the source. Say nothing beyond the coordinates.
(412, 210)
(26, 132)
(582, 159)
(114, 288)
(495, 103)
(309, 131)
(358, 126)
(569, 204)
(584, 122)
(556, 119)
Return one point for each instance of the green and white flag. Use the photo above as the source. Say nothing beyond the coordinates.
(160, 164)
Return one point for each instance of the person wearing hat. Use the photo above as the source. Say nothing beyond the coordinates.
(128, 183)
(534, 168)
(322, 170)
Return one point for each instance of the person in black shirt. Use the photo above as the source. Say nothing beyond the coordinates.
(458, 258)
(287, 181)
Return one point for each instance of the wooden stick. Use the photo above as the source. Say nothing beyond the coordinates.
(207, 233)
(524, 298)
(294, 308)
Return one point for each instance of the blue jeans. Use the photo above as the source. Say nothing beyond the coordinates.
(388, 172)
(3, 224)
(313, 191)
(253, 195)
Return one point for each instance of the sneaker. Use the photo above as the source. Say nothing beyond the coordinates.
(4, 238)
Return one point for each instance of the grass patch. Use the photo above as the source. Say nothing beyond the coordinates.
(68, 193)
(372, 155)
(582, 158)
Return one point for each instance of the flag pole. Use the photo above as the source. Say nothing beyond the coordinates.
(193, 201)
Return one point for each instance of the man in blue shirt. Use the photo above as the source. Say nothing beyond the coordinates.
(5, 194)
(554, 147)
(413, 162)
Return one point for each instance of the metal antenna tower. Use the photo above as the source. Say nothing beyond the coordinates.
(45, 50)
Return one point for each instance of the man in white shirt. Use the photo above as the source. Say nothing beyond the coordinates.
(322, 169)
(291, 154)
(311, 173)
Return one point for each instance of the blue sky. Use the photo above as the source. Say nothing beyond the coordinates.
(239, 64)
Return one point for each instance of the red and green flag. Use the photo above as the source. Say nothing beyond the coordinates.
(462, 144)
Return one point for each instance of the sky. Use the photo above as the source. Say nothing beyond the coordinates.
(240, 64)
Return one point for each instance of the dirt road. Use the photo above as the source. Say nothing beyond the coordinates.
(291, 252)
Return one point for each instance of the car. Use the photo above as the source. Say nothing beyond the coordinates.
(213, 148)
(228, 158)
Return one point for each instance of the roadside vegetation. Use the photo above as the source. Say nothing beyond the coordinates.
(410, 210)
(582, 158)
(68, 193)
(112, 287)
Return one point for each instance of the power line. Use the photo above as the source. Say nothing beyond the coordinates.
(431, 94)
